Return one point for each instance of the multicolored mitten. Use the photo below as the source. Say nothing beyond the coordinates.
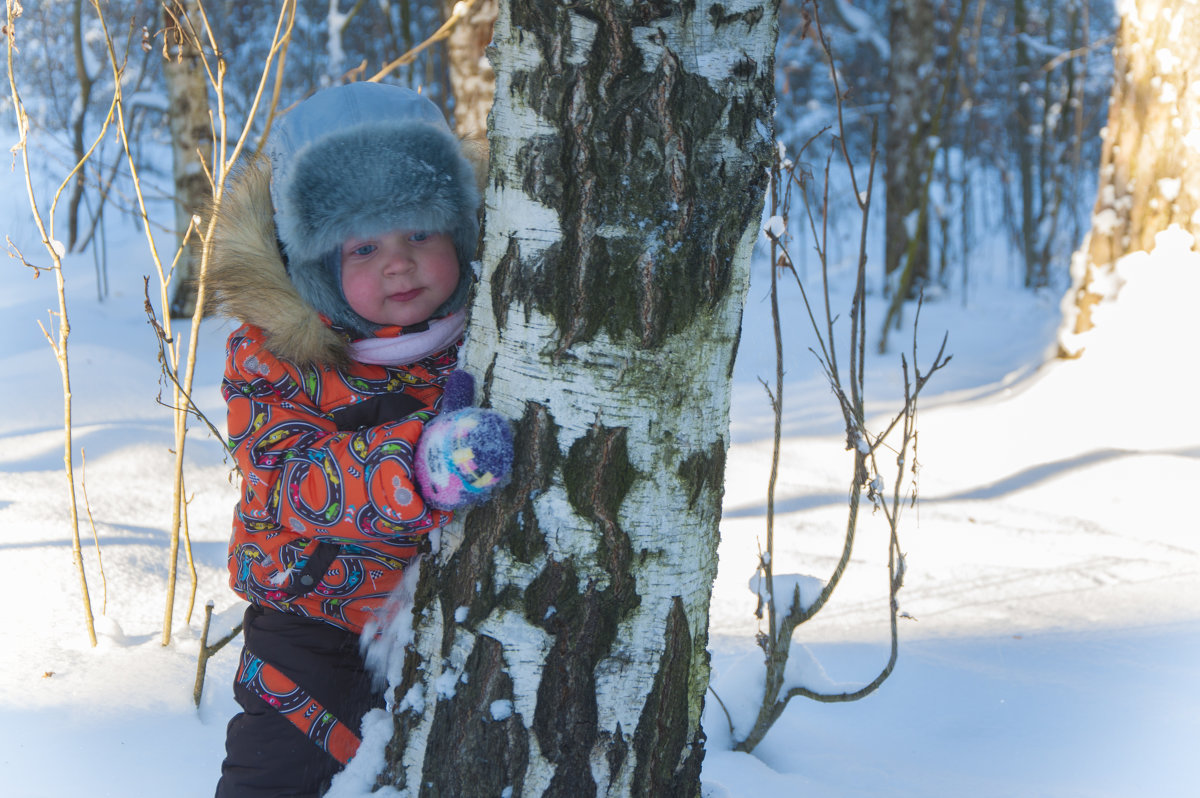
(465, 453)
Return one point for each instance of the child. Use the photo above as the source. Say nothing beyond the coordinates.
(346, 255)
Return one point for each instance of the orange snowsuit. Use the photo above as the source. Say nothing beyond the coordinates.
(329, 513)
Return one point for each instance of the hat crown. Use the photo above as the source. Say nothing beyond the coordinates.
(337, 109)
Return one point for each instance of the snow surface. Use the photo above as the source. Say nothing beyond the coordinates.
(1053, 561)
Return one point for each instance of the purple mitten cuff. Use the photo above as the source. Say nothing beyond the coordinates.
(459, 391)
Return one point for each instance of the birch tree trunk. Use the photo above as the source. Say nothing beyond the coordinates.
(1150, 164)
(191, 136)
(472, 80)
(560, 641)
(912, 92)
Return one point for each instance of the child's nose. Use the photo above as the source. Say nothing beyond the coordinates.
(400, 260)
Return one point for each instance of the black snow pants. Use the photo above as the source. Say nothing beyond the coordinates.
(266, 754)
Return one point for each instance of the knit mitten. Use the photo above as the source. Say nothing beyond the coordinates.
(465, 453)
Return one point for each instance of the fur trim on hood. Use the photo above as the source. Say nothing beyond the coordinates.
(248, 280)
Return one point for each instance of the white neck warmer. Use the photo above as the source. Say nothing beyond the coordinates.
(411, 347)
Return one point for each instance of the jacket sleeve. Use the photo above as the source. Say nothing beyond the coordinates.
(303, 476)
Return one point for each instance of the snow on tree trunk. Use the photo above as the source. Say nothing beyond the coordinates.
(472, 79)
(1150, 164)
(560, 641)
(912, 93)
(191, 136)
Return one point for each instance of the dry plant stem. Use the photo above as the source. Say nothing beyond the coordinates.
(189, 404)
(202, 659)
(180, 428)
(207, 651)
(281, 37)
(60, 342)
(859, 440)
(183, 393)
(349, 16)
(95, 535)
(851, 401)
(181, 411)
(104, 184)
(191, 561)
(775, 700)
(285, 23)
(767, 563)
(182, 388)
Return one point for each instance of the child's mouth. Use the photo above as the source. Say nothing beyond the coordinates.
(405, 296)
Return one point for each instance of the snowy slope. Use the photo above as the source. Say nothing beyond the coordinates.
(1054, 562)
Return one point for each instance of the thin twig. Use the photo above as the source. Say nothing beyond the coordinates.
(207, 651)
(60, 342)
(849, 391)
(95, 535)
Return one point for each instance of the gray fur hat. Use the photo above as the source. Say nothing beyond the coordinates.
(359, 160)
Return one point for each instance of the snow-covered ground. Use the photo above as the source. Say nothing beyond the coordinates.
(1053, 561)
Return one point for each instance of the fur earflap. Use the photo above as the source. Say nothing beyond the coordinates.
(357, 161)
(249, 282)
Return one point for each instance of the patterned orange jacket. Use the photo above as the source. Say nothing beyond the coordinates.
(329, 513)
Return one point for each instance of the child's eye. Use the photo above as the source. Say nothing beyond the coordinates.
(363, 251)
(419, 236)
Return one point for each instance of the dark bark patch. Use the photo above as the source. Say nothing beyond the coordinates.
(703, 473)
(597, 475)
(500, 282)
(619, 110)
(565, 718)
(498, 748)
(745, 68)
(488, 375)
(665, 756)
(404, 722)
(618, 750)
(581, 615)
(583, 621)
(737, 342)
(720, 17)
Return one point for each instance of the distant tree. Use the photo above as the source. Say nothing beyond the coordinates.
(1150, 165)
(912, 85)
(1021, 125)
(1047, 120)
(560, 640)
(86, 83)
(472, 80)
(191, 126)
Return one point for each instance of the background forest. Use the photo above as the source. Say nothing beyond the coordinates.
(1007, 100)
(1049, 612)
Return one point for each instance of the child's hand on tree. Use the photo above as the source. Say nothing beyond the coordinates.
(465, 453)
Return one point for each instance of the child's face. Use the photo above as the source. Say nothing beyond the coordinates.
(400, 277)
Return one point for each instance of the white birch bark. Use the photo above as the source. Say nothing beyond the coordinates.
(561, 642)
(1150, 164)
